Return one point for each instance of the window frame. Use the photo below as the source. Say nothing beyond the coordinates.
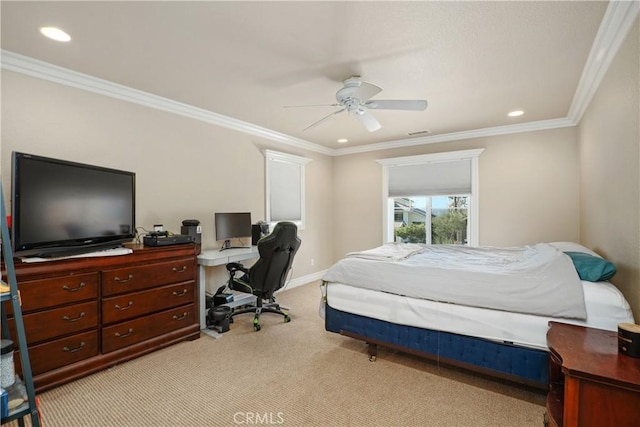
(450, 156)
(272, 159)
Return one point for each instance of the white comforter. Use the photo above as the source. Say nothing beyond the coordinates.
(537, 279)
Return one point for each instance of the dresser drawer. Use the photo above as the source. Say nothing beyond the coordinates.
(146, 276)
(128, 306)
(137, 330)
(56, 322)
(44, 293)
(62, 352)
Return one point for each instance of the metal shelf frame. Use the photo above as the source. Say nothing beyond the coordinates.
(29, 408)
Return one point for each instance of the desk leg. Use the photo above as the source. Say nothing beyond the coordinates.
(202, 285)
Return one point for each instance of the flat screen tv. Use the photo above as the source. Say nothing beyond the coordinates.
(62, 208)
(232, 225)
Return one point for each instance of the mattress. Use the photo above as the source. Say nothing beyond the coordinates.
(605, 307)
(538, 279)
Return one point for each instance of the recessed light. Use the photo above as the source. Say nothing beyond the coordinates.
(515, 113)
(55, 34)
(343, 140)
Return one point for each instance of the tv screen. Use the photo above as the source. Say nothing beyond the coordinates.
(232, 225)
(65, 208)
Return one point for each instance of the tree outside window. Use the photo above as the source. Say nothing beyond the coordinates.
(431, 220)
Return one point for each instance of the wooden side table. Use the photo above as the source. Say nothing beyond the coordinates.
(590, 383)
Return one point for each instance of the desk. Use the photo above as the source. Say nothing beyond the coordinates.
(213, 258)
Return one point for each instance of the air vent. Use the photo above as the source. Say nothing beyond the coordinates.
(419, 132)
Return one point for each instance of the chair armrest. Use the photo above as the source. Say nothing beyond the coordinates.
(235, 266)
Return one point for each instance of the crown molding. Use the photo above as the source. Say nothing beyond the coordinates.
(614, 28)
(46, 71)
(457, 136)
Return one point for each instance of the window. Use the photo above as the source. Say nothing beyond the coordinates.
(284, 187)
(431, 220)
(431, 198)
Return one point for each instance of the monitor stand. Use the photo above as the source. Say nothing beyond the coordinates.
(227, 245)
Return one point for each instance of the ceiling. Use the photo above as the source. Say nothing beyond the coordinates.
(473, 61)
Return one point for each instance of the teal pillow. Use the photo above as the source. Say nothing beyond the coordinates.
(592, 268)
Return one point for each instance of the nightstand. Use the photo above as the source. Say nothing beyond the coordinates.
(590, 383)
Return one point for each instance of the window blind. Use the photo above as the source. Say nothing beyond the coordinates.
(285, 184)
(430, 179)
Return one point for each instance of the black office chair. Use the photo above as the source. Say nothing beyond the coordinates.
(268, 274)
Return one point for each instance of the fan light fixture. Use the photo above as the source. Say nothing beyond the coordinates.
(55, 34)
(355, 98)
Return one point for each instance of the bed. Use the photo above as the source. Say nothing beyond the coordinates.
(485, 309)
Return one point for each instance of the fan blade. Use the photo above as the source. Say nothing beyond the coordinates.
(323, 119)
(366, 91)
(367, 119)
(312, 105)
(413, 105)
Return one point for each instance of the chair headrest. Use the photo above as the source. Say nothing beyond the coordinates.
(285, 226)
(284, 235)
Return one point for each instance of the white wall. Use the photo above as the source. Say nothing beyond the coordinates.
(528, 190)
(184, 168)
(609, 169)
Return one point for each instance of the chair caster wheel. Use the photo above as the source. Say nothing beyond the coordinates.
(287, 319)
(256, 325)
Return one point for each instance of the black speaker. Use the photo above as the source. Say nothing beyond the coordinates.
(219, 318)
(192, 227)
(258, 231)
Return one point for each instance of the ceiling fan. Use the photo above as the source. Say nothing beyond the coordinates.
(355, 98)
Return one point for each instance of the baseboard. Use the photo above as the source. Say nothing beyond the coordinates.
(299, 281)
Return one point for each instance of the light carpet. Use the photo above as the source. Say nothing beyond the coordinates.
(287, 374)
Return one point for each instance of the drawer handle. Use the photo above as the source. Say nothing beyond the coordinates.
(68, 289)
(180, 294)
(182, 317)
(129, 277)
(179, 270)
(73, 319)
(74, 349)
(126, 334)
(127, 307)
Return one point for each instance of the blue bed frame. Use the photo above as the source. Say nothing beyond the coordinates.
(503, 360)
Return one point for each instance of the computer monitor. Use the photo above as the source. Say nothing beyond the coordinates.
(232, 225)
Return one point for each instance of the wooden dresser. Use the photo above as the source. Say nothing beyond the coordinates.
(591, 384)
(83, 315)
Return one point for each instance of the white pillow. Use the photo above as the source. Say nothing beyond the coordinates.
(573, 247)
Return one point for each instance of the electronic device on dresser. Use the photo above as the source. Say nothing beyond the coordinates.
(163, 238)
(232, 225)
(192, 227)
(65, 208)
